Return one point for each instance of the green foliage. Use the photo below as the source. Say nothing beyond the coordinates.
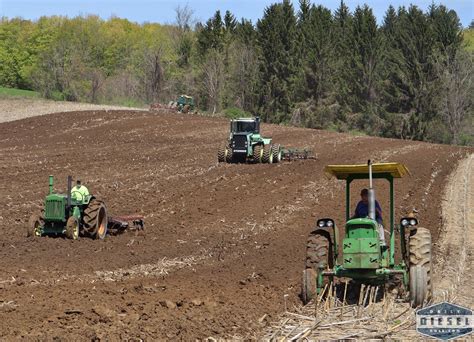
(468, 36)
(310, 67)
(234, 113)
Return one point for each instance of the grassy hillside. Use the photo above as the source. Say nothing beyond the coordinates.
(9, 92)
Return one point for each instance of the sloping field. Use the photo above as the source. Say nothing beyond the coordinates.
(222, 246)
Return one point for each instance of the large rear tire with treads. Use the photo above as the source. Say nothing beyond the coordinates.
(419, 250)
(276, 151)
(267, 154)
(95, 219)
(319, 254)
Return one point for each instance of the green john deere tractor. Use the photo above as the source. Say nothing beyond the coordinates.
(246, 144)
(185, 104)
(71, 215)
(364, 257)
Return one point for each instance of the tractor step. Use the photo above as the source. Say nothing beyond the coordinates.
(290, 154)
(118, 224)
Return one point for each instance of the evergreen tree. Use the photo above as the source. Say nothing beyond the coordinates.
(278, 64)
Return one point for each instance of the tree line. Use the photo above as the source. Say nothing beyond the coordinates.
(408, 77)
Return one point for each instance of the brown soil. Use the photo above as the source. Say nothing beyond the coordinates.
(222, 246)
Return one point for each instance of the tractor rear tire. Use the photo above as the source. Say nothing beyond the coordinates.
(257, 154)
(267, 154)
(276, 151)
(36, 221)
(319, 253)
(221, 154)
(95, 219)
(72, 228)
(421, 289)
(309, 285)
(229, 158)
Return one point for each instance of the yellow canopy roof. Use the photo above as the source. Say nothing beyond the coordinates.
(396, 170)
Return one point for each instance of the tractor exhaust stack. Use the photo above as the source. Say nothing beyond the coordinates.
(51, 181)
(371, 193)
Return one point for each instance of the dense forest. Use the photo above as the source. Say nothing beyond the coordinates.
(407, 76)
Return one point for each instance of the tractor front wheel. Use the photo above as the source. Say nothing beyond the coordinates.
(72, 228)
(257, 154)
(229, 157)
(319, 254)
(420, 266)
(95, 219)
(221, 154)
(267, 154)
(35, 222)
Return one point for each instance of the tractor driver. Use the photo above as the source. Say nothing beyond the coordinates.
(362, 211)
(79, 192)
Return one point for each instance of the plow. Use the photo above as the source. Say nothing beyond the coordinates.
(246, 145)
(77, 213)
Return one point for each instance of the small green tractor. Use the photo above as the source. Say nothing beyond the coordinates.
(364, 258)
(71, 215)
(246, 144)
(185, 104)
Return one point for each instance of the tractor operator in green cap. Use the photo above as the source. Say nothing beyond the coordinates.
(79, 192)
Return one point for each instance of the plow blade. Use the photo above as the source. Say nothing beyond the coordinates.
(290, 154)
(118, 224)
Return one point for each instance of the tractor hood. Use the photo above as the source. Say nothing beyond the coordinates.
(361, 223)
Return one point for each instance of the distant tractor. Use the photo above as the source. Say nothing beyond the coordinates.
(365, 259)
(71, 215)
(246, 144)
(185, 104)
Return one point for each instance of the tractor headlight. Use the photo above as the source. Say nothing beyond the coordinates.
(325, 223)
(408, 221)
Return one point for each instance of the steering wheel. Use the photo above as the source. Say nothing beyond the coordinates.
(77, 196)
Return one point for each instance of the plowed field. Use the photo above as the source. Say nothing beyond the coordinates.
(222, 245)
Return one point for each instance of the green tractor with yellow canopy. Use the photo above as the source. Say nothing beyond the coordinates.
(363, 256)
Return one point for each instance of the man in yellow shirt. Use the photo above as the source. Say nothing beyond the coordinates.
(79, 192)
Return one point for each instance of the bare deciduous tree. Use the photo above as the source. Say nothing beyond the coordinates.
(213, 79)
(457, 95)
(184, 17)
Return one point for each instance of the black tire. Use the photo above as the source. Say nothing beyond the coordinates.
(276, 151)
(72, 228)
(419, 247)
(308, 286)
(221, 154)
(267, 154)
(257, 154)
(229, 155)
(95, 219)
(35, 222)
(319, 253)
